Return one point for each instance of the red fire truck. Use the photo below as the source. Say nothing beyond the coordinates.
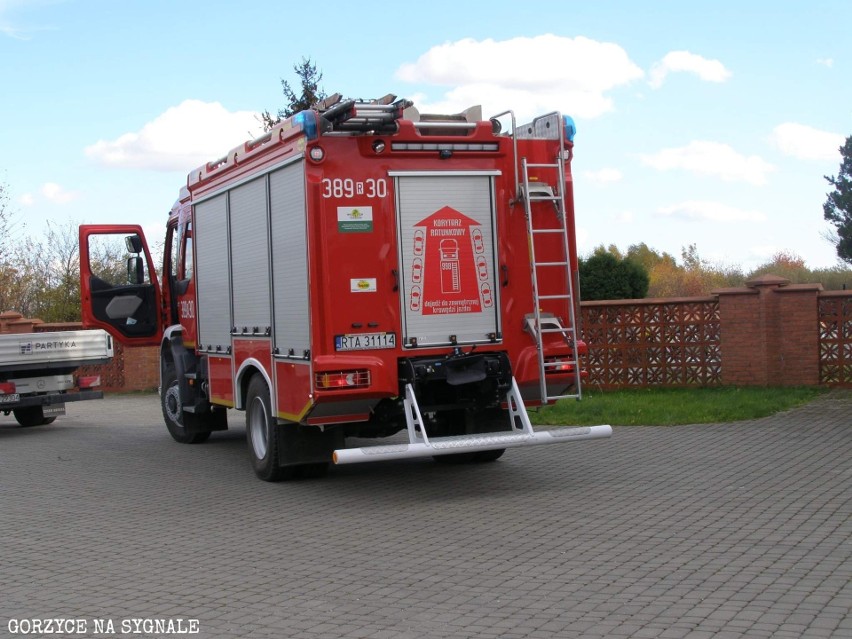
(362, 270)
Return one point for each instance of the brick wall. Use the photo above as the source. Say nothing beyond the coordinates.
(769, 332)
(131, 369)
(797, 337)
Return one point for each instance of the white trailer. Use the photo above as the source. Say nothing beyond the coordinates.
(37, 372)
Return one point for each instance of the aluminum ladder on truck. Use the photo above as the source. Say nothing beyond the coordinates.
(549, 126)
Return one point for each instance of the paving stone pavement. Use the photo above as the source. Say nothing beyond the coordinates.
(723, 530)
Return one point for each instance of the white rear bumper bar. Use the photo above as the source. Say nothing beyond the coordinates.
(469, 443)
(421, 445)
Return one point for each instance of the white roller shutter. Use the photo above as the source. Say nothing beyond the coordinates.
(447, 253)
(290, 261)
(250, 258)
(213, 285)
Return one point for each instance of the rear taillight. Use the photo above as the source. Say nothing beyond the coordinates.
(557, 366)
(342, 380)
(88, 381)
(7, 388)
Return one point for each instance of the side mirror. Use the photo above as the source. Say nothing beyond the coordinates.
(135, 270)
(133, 244)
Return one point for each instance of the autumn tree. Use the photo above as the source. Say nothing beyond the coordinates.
(837, 209)
(692, 276)
(45, 276)
(60, 274)
(646, 256)
(784, 264)
(5, 219)
(12, 280)
(310, 93)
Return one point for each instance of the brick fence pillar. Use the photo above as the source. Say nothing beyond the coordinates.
(769, 333)
(6, 318)
(12, 322)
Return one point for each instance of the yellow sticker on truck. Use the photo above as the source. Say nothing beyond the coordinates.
(363, 285)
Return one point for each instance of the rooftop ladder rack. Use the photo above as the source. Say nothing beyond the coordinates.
(357, 116)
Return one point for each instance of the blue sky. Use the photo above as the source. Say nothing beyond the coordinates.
(710, 123)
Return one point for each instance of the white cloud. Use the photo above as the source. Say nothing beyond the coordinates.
(710, 212)
(56, 194)
(50, 191)
(6, 26)
(805, 142)
(499, 75)
(602, 176)
(711, 158)
(684, 61)
(826, 62)
(182, 138)
(11, 28)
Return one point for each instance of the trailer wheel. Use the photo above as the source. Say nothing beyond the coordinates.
(262, 433)
(32, 416)
(173, 411)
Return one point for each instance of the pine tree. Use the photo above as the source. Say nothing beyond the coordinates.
(311, 93)
(838, 204)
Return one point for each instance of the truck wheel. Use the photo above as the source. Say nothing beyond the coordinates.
(262, 433)
(477, 457)
(489, 455)
(455, 458)
(173, 412)
(458, 423)
(32, 416)
(312, 471)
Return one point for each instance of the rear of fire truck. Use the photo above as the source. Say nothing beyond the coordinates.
(444, 281)
(365, 271)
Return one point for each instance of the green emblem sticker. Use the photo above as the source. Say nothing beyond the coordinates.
(355, 219)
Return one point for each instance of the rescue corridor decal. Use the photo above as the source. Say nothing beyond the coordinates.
(449, 269)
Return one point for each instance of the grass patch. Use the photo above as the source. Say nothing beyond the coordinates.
(673, 406)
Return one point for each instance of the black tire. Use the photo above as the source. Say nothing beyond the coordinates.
(32, 416)
(478, 457)
(262, 434)
(312, 471)
(455, 458)
(484, 456)
(173, 411)
(458, 423)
